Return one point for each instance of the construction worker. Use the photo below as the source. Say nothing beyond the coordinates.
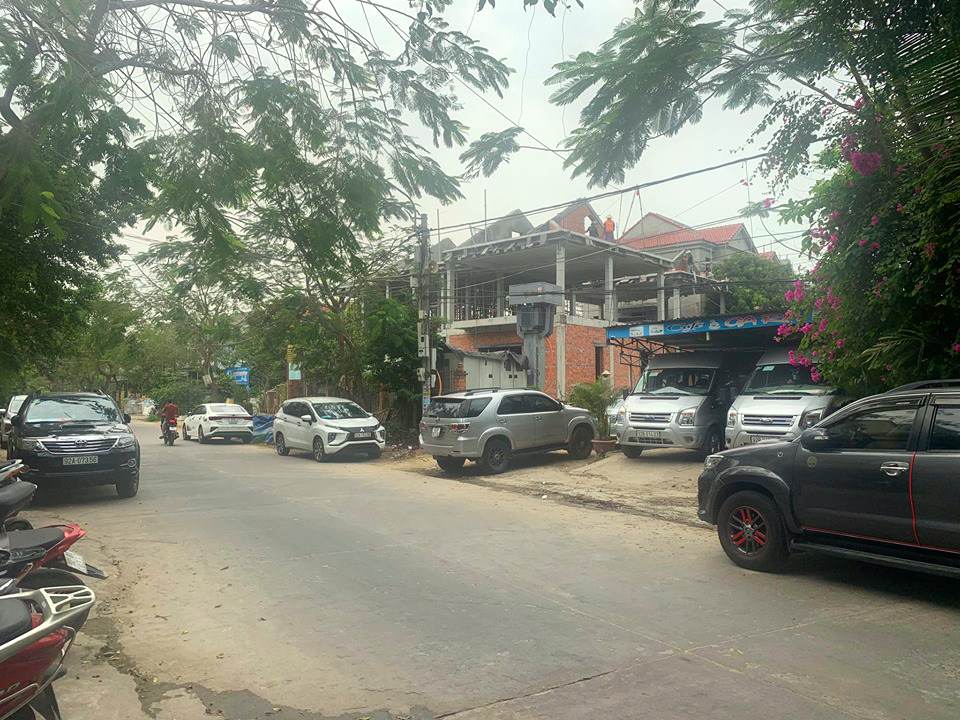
(608, 227)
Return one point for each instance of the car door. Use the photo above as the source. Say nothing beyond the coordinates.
(936, 477)
(549, 422)
(511, 414)
(295, 433)
(859, 485)
(193, 420)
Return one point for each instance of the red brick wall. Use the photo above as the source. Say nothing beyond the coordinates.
(474, 340)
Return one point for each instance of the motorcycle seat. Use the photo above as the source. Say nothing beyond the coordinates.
(14, 497)
(15, 619)
(48, 538)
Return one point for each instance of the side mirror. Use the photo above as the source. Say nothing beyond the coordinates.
(307, 418)
(817, 440)
(3, 411)
(16, 421)
(127, 418)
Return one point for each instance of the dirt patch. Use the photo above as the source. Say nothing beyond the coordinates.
(660, 484)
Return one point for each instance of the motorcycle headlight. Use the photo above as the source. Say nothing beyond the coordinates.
(126, 441)
(30, 444)
(810, 418)
(712, 461)
(731, 418)
(686, 416)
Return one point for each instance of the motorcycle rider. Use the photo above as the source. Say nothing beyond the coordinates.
(169, 412)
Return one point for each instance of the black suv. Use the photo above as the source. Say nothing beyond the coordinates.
(76, 438)
(877, 481)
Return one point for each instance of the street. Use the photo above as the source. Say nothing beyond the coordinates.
(246, 585)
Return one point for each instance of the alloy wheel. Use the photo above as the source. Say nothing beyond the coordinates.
(747, 529)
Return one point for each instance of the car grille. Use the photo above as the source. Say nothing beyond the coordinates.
(657, 418)
(768, 420)
(79, 447)
(371, 430)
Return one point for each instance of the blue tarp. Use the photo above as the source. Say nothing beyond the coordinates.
(263, 428)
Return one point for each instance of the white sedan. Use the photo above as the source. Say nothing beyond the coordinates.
(217, 420)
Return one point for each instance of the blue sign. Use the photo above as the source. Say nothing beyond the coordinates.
(240, 375)
(698, 325)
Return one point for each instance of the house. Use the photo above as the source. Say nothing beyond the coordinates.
(701, 248)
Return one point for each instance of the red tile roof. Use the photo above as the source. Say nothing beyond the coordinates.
(720, 235)
(770, 255)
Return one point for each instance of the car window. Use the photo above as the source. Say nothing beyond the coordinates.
(539, 403)
(875, 429)
(72, 410)
(14, 405)
(946, 429)
(293, 409)
(339, 410)
(476, 406)
(444, 407)
(225, 409)
(511, 405)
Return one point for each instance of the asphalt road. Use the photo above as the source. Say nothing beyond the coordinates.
(254, 586)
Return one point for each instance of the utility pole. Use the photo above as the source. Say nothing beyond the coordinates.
(423, 305)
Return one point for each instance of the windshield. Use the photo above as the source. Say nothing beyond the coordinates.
(341, 410)
(64, 410)
(675, 381)
(783, 378)
(227, 409)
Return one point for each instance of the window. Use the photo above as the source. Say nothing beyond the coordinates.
(539, 403)
(295, 409)
(675, 381)
(783, 378)
(946, 429)
(339, 410)
(444, 407)
(511, 405)
(72, 410)
(875, 429)
(476, 406)
(224, 409)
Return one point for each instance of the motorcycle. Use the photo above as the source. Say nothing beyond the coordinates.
(170, 431)
(37, 628)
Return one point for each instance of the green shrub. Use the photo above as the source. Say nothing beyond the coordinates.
(596, 397)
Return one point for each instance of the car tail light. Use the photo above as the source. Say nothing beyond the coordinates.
(459, 427)
(216, 417)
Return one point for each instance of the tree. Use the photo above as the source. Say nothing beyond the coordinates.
(755, 283)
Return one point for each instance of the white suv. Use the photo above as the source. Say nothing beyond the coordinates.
(327, 426)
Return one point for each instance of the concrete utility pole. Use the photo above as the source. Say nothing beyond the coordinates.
(423, 305)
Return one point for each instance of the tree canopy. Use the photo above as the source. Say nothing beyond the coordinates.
(755, 283)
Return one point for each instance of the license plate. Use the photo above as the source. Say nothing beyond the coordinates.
(361, 436)
(435, 432)
(81, 460)
(759, 438)
(648, 435)
(75, 561)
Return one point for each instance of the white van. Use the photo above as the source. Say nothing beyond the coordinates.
(681, 401)
(778, 402)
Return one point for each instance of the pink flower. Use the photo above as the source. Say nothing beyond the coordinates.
(805, 328)
(834, 215)
(768, 202)
(788, 296)
(929, 249)
(792, 358)
(813, 353)
(861, 242)
(866, 163)
(955, 347)
(788, 314)
(815, 375)
(899, 207)
(859, 103)
(832, 244)
(840, 343)
(875, 221)
(823, 325)
(874, 246)
(818, 303)
(831, 355)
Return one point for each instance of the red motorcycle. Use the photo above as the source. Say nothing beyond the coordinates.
(36, 631)
(170, 431)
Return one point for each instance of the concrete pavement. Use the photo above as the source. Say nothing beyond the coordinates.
(253, 586)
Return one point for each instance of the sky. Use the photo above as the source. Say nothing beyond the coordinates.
(531, 41)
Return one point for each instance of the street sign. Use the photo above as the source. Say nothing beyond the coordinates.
(239, 374)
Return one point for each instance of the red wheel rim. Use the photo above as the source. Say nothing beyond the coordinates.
(747, 530)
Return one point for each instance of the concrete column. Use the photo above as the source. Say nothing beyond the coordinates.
(723, 301)
(609, 298)
(676, 303)
(573, 303)
(451, 300)
(501, 297)
(466, 303)
(386, 290)
(661, 297)
(560, 322)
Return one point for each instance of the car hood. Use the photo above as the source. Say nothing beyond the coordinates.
(662, 403)
(779, 404)
(70, 431)
(352, 423)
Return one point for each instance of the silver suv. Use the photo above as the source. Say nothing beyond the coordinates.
(488, 426)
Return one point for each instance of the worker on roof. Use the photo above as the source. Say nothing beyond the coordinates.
(608, 227)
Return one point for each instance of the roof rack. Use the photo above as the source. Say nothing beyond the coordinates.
(474, 391)
(929, 385)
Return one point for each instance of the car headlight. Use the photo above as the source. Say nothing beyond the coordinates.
(686, 416)
(731, 418)
(30, 444)
(621, 414)
(126, 441)
(712, 461)
(810, 418)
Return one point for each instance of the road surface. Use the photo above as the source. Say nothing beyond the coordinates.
(246, 585)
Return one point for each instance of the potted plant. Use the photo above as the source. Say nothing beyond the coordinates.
(595, 398)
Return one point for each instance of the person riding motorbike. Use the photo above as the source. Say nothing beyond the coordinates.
(168, 413)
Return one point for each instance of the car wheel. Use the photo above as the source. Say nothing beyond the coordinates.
(186, 436)
(201, 438)
(51, 578)
(496, 456)
(712, 443)
(17, 524)
(581, 443)
(752, 532)
(128, 486)
(318, 454)
(632, 452)
(450, 465)
(281, 445)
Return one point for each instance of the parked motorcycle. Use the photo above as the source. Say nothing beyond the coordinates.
(9, 470)
(37, 628)
(170, 432)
